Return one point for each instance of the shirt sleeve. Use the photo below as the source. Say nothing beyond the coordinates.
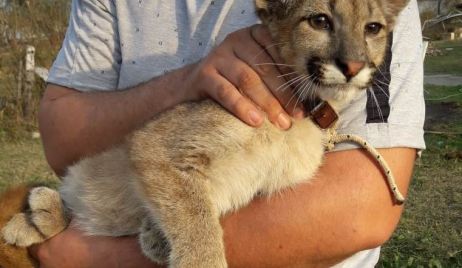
(90, 56)
(391, 113)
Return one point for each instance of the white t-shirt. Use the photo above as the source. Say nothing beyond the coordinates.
(116, 44)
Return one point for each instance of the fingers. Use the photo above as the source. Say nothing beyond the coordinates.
(269, 66)
(249, 83)
(225, 93)
(241, 74)
(261, 35)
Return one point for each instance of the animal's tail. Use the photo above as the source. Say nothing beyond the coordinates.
(28, 215)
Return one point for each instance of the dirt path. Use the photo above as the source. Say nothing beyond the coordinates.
(443, 80)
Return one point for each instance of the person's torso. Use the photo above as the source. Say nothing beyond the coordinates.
(159, 36)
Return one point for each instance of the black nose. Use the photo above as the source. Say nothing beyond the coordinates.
(350, 68)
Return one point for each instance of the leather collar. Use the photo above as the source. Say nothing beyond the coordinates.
(323, 114)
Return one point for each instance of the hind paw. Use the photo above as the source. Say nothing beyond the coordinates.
(153, 243)
(47, 211)
(44, 219)
(21, 232)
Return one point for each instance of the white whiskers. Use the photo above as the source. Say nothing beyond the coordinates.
(296, 92)
(290, 82)
(303, 90)
(381, 88)
(377, 104)
(273, 63)
(268, 47)
(287, 74)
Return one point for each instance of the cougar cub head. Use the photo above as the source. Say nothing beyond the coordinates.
(336, 44)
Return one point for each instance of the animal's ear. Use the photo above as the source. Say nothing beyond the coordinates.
(269, 9)
(261, 4)
(261, 8)
(392, 9)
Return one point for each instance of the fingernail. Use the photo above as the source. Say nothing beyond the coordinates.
(299, 113)
(255, 117)
(284, 121)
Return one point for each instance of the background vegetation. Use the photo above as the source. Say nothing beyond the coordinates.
(448, 60)
(430, 232)
(440, 8)
(41, 24)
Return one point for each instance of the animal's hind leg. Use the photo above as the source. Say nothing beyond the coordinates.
(153, 242)
(44, 218)
(184, 212)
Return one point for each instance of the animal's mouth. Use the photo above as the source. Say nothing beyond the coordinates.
(331, 76)
(324, 84)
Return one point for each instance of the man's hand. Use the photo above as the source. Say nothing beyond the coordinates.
(241, 75)
(73, 249)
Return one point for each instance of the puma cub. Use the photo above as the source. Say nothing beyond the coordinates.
(172, 179)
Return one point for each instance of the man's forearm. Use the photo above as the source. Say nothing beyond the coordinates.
(75, 124)
(345, 209)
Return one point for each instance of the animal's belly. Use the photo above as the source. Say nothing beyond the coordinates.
(280, 163)
(100, 194)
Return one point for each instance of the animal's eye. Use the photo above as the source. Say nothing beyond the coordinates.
(373, 28)
(320, 22)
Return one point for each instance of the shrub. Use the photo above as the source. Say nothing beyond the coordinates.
(41, 24)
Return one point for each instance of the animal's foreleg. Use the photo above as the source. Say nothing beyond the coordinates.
(184, 212)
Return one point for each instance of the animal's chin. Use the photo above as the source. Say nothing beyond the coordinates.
(340, 87)
(337, 93)
(334, 87)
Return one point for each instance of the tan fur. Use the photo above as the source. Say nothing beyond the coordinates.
(12, 202)
(172, 179)
(44, 217)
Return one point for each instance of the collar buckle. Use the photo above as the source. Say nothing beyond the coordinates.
(324, 115)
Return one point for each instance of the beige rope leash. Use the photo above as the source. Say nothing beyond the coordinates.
(336, 138)
(326, 118)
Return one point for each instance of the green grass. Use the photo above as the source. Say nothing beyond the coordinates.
(443, 92)
(444, 106)
(449, 62)
(23, 161)
(430, 231)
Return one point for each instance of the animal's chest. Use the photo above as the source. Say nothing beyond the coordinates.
(276, 160)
